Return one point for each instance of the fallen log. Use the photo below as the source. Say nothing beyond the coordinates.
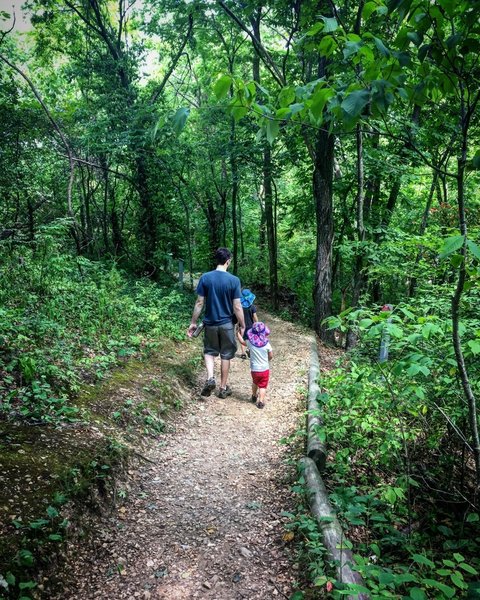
(316, 449)
(333, 535)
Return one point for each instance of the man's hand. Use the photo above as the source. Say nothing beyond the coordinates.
(242, 331)
(197, 309)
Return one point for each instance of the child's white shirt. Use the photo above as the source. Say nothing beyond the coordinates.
(259, 357)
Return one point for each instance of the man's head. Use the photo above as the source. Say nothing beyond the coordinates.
(222, 256)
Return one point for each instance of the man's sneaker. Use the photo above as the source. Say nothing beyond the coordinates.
(224, 392)
(208, 387)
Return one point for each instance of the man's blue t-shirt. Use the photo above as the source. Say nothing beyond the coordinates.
(219, 289)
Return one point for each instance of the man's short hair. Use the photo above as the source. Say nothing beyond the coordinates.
(222, 255)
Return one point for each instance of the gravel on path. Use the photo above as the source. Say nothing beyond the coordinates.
(204, 518)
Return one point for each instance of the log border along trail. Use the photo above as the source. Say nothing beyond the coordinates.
(204, 518)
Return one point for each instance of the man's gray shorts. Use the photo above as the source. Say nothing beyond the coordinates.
(220, 339)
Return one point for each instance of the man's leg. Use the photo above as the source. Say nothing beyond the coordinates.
(224, 369)
(210, 365)
(210, 350)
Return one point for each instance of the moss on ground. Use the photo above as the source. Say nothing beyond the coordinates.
(50, 474)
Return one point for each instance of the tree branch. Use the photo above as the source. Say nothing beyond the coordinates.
(174, 62)
(259, 48)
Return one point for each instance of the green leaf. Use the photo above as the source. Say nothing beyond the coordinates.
(282, 113)
(474, 346)
(330, 24)
(297, 596)
(179, 119)
(458, 557)
(449, 563)
(318, 101)
(384, 51)
(52, 512)
(413, 370)
(27, 585)
(476, 160)
(286, 96)
(315, 29)
(238, 111)
(272, 130)
(423, 51)
(222, 85)
(327, 46)
(447, 590)
(295, 108)
(417, 594)
(473, 518)
(355, 102)
(451, 245)
(26, 558)
(390, 495)
(457, 580)
(364, 323)
(385, 578)
(474, 249)
(10, 578)
(394, 330)
(55, 537)
(368, 10)
(468, 568)
(423, 560)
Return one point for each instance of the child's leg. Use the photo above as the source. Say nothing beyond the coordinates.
(254, 392)
(262, 395)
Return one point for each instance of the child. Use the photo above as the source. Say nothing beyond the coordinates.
(249, 313)
(260, 354)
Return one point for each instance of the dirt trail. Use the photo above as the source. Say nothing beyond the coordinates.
(204, 519)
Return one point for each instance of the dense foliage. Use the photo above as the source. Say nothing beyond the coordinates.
(65, 320)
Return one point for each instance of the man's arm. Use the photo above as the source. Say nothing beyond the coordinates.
(238, 310)
(197, 309)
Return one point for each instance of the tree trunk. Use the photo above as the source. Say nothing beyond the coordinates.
(358, 275)
(322, 194)
(270, 222)
(423, 226)
(234, 171)
(147, 219)
(457, 296)
(267, 181)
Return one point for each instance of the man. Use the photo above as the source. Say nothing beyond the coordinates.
(220, 292)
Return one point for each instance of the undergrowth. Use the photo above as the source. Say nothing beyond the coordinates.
(66, 319)
(400, 471)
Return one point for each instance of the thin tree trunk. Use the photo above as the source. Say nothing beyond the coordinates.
(423, 227)
(234, 171)
(267, 179)
(269, 220)
(456, 299)
(358, 277)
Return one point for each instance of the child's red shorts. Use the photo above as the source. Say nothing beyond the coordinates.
(260, 378)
